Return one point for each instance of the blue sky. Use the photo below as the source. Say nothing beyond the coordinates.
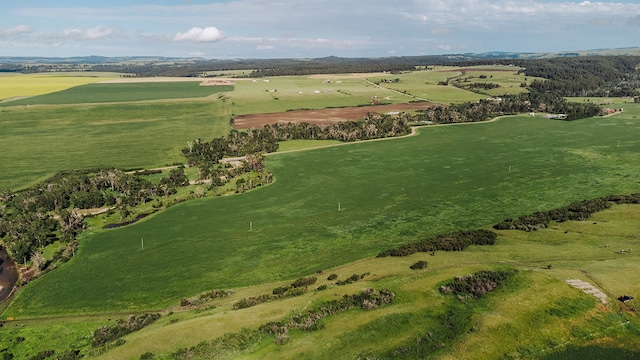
(225, 29)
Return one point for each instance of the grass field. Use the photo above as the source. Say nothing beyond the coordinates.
(151, 132)
(424, 84)
(124, 92)
(300, 92)
(533, 317)
(40, 140)
(390, 192)
(19, 85)
(333, 208)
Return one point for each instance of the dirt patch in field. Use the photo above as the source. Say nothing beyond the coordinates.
(324, 116)
(588, 289)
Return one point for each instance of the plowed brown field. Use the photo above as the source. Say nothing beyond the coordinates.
(322, 117)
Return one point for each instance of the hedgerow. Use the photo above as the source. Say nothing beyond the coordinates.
(580, 210)
(456, 241)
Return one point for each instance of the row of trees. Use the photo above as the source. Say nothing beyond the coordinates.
(580, 210)
(506, 105)
(456, 241)
(265, 140)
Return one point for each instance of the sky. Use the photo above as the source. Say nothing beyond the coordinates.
(228, 29)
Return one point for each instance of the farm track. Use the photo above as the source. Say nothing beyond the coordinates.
(395, 91)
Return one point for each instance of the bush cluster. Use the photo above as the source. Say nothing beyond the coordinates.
(304, 282)
(476, 285)
(580, 210)
(277, 293)
(106, 334)
(351, 279)
(456, 241)
(419, 265)
(309, 320)
(205, 297)
(304, 321)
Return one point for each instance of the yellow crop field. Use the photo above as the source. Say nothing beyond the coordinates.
(19, 85)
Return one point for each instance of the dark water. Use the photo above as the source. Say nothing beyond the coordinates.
(8, 275)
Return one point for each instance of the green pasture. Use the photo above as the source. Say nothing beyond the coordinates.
(278, 94)
(124, 92)
(19, 85)
(388, 193)
(424, 84)
(535, 316)
(37, 141)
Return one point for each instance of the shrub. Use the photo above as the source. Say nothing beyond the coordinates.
(302, 282)
(205, 297)
(280, 290)
(105, 334)
(478, 284)
(332, 277)
(419, 265)
(456, 241)
(580, 210)
(281, 339)
(351, 279)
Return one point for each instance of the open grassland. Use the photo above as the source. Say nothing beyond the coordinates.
(37, 141)
(124, 92)
(535, 315)
(19, 85)
(280, 94)
(389, 192)
(424, 84)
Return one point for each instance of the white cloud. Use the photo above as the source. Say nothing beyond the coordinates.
(15, 31)
(340, 27)
(96, 33)
(196, 34)
(441, 31)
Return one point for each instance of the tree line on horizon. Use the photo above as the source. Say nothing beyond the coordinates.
(616, 75)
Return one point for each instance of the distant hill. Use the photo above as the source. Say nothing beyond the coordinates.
(93, 59)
